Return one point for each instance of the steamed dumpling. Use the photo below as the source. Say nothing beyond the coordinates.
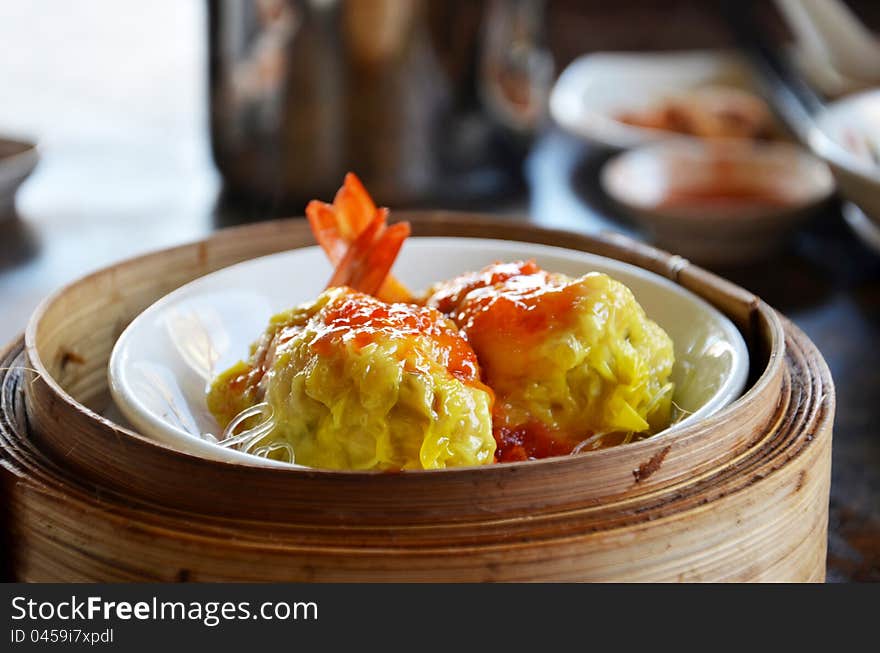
(355, 383)
(568, 359)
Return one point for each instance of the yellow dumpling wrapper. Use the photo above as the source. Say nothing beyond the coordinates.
(567, 358)
(355, 383)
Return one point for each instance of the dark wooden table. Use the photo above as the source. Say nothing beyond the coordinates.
(126, 169)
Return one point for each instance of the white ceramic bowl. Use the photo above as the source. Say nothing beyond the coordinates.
(703, 200)
(163, 362)
(594, 88)
(846, 132)
(17, 160)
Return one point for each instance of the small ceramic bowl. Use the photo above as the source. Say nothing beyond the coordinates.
(17, 161)
(718, 202)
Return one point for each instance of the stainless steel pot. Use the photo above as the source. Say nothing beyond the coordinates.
(426, 100)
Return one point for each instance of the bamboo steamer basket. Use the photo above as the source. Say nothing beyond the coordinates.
(741, 496)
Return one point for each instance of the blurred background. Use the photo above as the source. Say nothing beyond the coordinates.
(743, 135)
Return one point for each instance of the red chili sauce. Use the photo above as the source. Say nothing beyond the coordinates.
(361, 320)
(505, 310)
(724, 184)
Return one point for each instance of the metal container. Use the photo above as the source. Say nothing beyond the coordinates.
(426, 100)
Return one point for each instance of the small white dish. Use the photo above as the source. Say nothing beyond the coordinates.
(17, 160)
(596, 88)
(164, 361)
(718, 202)
(847, 136)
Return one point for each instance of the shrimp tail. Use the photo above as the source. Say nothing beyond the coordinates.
(368, 260)
(358, 242)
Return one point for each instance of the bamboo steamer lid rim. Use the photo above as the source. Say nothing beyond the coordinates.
(429, 223)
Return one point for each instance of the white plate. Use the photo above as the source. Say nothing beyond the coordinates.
(163, 362)
(594, 88)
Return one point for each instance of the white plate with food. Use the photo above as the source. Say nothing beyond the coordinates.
(552, 352)
(620, 100)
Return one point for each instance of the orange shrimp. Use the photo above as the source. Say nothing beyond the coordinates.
(354, 235)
